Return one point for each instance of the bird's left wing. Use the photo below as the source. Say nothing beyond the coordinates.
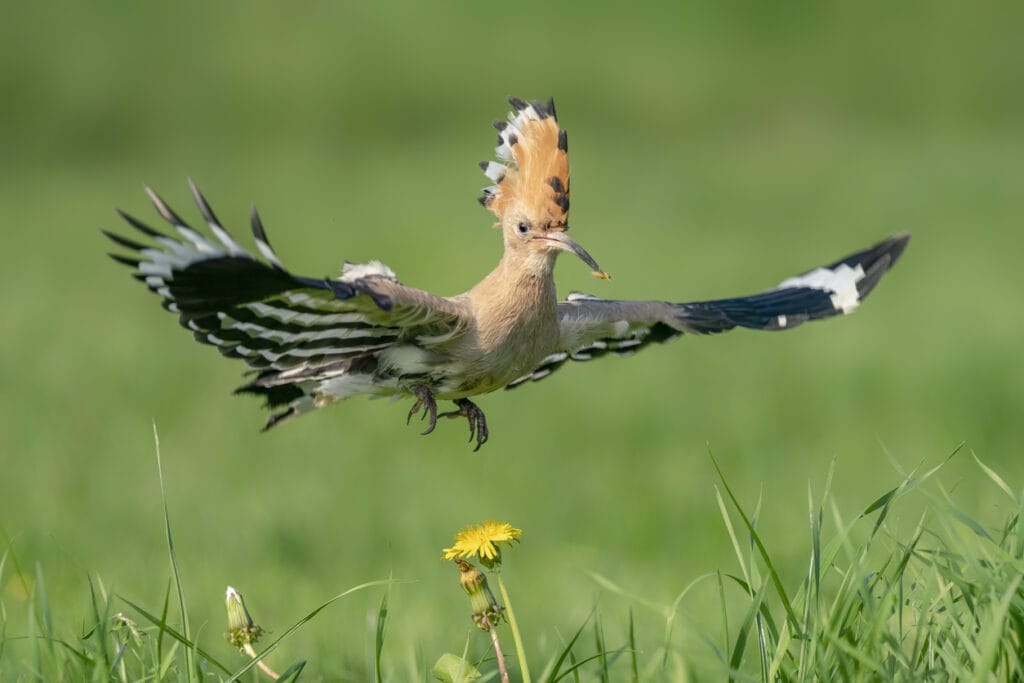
(591, 328)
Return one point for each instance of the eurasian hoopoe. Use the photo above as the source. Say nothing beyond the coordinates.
(315, 341)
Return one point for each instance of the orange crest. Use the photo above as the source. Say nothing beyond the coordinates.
(536, 182)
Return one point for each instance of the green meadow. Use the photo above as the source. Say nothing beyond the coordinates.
(716, 149)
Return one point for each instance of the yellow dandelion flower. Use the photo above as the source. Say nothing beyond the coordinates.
(481, 541)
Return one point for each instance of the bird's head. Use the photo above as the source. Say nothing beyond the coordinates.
(530, 195)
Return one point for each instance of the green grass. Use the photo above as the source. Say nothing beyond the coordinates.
(934, 596)
(716, 149)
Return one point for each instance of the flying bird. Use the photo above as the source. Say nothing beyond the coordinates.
(315, 341)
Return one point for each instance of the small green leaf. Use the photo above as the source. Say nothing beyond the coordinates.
(454, 669)
(292, 673)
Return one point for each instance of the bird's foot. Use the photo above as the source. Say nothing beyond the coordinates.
(475, 416)
(424, 400)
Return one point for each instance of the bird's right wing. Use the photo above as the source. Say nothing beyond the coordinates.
(592, 328)
(294, 331)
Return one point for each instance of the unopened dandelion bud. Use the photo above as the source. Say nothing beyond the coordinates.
(470, 578)
(242, 630)
(486, 610)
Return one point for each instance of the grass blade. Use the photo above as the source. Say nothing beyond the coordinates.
(189, 660)
(732, 535)
(100, 628)
(995, 478)
(725, 612)
(160, 633)
(173, 633)
(554, 675)
(744, 631)
(670, 617)
(576, 665)
(992, 634)
(599, 645)
(610, 585)
(632, 649)
(43, 602)
(291, 674)
(765, 557)
(301, 622)
(378, 642)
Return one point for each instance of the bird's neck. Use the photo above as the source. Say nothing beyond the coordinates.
(525, 282)
(514, 324)
(517, 296)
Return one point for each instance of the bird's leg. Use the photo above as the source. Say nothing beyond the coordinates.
(475, 416)
(424, 400)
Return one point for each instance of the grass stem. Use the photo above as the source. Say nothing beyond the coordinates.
(523, 668)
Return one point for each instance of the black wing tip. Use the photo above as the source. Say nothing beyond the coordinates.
(204, 206)
(165, 211)
(278, 418)
(888, 250)
(140, 226)
(258, 231)
(878, 260)
(895, 246)
(126, 260)
(788, 307)
(122, 241)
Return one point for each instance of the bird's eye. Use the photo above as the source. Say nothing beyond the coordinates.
(523, 228)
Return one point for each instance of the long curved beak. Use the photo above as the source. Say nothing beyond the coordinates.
(561, 241)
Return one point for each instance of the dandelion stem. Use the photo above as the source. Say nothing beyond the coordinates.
(260, 663)
(523, 669)
(500, 657)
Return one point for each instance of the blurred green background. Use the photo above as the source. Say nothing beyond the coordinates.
(717, 148)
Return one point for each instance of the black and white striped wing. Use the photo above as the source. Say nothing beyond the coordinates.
(289, 328)
(593, 328)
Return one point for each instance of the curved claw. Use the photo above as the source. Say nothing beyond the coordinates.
(424, 400)
(477, 421)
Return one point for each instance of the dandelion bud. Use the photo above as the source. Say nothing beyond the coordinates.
(486, 610)
(241, 629)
